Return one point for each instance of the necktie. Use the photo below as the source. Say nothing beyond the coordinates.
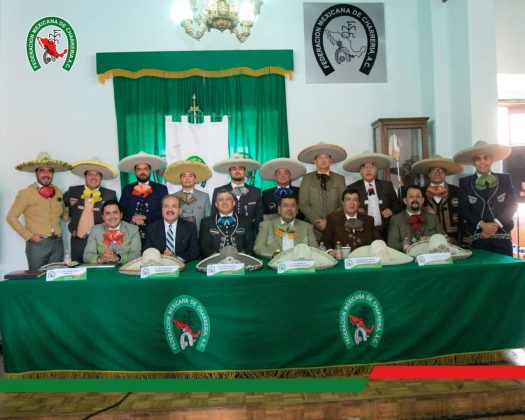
(226, 221)
(93, 194)
(170, 239)
(47, 192)
(486, 181)
(371, 189)
(238, 191)
(323, 178)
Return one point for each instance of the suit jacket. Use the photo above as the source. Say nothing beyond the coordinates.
(249, 205)
(213, 238)
(149, 206)
(447, 210)
(186, 239)
(267, 242)
(498, 202)
(400, 229)
(197, 210)
(129, 250)
(75, 205)
(335, 231)
(386, 193)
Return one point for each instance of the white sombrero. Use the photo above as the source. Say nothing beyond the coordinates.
(230, 255)
(296, 168)
(436, 161)
(438, 243)
(236, 160)
(129, 162)
(150, 257)
(378, 248)
(303, 252)
(497, 151)
(80, 167)
(43, 159)
(353, 164)
(309, 154)
(175, 170)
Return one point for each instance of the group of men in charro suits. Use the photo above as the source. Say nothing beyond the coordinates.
(189, 225)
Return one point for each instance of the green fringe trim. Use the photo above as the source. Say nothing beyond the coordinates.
(491, 357)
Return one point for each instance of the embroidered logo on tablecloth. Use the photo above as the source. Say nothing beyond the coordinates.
(361, 320)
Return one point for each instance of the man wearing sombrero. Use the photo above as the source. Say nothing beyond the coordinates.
(487, 200)
(442, 198)
(195, 204)
(248, 202)
(321, 190)
(378, 197)
(141, 200)
(283, 171)
(42, 205)
(84, 202)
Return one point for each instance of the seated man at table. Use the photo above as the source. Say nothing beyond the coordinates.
(413, 223)
(350, 227)
(172, 235)
(285, 232)
(225, 228)
(113, 241)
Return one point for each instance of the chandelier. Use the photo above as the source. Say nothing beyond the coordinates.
(236, 15)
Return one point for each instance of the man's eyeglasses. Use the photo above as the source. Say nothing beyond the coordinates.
(368, 165)
(439, 171)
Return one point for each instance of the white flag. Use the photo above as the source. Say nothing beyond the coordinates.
(208, 141)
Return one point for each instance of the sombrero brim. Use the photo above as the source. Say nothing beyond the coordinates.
(423, 166)
(80, 167)
(224, 165)
(422, 247)
(321, 259)
(175, 170)
(353, 164)
(128, 163)
(250, 263)
(32, 165)
(296, 168)
(132, 268)
(309, 154)
(395, 257)
(497, 151)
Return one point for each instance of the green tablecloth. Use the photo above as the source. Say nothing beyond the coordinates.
(112, 322)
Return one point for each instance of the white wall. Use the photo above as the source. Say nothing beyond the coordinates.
(70, 115)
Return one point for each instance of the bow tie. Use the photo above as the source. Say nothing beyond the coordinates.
(187, 198)
(93, 194)
(142, 190)
(436, 191)
(240, 191)
(323, 178)
(486, 181)
(226, 221)
(416, 222)
(113, 237)
(280, 191)
(47, 192)
(371, 190)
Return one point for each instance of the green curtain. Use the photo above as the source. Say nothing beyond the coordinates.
(256, 107)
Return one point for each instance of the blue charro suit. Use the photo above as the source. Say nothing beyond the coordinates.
(249, 205)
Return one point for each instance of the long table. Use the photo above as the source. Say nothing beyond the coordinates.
(262, 321)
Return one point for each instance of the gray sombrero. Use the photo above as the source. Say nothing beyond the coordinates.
(230, 255)
(129, 162)
(296, 168)
(353, 163)
(95, 164)
(309, 154)
(236, 159)
(378, 248)
(436, 161)
(43, 159)
(176, 169)
(438, 243)
(150, 257)
(497, 151)
(303, 252)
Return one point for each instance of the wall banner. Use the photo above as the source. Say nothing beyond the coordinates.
(345, 43)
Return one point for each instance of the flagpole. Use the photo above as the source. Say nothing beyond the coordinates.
(394, 152)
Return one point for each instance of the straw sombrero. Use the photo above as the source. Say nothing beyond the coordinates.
(436, 161)
(236, 160)
(128, 163)
(303, 252)
(150, 257)
(230, 255)
(378, 248)
(438, 243)
(497, 151)
(43, 159)
(176, 169)
(353, 164)
(80, 167)
(296, 168)
(309, 154)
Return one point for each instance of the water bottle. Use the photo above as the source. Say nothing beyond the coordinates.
(338, 251)
(322, 247)
(67, 257)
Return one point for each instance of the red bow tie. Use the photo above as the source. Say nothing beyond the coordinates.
(47, 192)
(141, 190)
(436, 191)
(113, 237)
(416, 222)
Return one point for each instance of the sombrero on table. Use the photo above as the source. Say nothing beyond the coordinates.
(150, 257)
(378, 248)
(438, 243)
(303, 252)
(230, 255)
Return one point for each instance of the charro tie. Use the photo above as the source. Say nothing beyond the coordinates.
(371, 189)
(170, 239)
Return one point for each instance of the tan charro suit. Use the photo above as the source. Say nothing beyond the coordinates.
(267, 242)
